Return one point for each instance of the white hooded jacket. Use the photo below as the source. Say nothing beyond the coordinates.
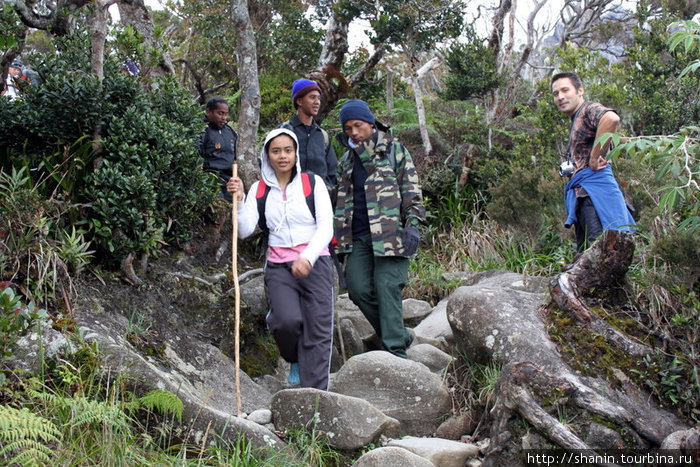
(290, 221)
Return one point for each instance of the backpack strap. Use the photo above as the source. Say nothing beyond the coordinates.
(326, 139)
(308, 183)
(261, 197)
(391, 157)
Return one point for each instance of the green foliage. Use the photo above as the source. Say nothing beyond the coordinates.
(689, 36)
(164, 402)
(276, 99)
(416, 26)
(676, 160)
(473, 384)
(472, 69)
(26, 438)
(32, 251)
(314, 448)
(659, 101)
(144, 189)
(16, 319)
(673, 381)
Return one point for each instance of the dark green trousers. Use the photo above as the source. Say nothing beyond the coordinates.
(375, 285)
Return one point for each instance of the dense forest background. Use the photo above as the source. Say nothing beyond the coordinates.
(99, 169)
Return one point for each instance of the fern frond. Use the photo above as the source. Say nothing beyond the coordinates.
(27, 449)
(88, 412)
(27, 436)
(163, 401)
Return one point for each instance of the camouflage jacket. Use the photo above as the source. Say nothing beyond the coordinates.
(394, 198)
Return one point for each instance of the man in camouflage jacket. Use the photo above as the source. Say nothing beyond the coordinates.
(378, 211)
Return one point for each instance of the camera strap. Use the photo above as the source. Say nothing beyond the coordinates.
(571, 129)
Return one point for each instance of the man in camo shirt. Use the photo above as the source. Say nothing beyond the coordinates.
(378, 211)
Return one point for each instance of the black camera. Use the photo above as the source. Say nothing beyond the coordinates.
(566, 168)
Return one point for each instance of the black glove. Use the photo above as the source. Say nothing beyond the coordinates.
(410, 237)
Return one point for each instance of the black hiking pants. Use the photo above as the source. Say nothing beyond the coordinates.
(301, 318)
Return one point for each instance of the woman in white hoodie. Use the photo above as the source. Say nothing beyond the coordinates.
(299, 271)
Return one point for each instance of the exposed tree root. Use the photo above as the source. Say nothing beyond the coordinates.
(524, 388)
(127, 267)
(601, 266)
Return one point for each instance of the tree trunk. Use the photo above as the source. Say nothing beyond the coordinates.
(249, 112)
(333, 85)
(600, 267)
(420, 107)
(336, 44)
(134, 13)
(98, 23)
(389, 91)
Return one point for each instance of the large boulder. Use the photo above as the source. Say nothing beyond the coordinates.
(348, 422)
(497, 319)
(435, 329)
(29, 355)
(392, 456)
(440, 452)
(197, 372)
(405, 390)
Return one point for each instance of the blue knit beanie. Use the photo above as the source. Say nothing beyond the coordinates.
(356, 110)
(302, 87)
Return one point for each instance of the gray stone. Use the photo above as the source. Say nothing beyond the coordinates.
(198, 373)
(391, 456)
(457, 426)
(261, 416)
(254, 297)
(352, 340)
(496, 323)
(602, 437)
(415, 309)
(534, 440)
(402, 389)
(27, 355)
(441, 452)
(346, 309)
(436, 326)
(432, 357)
(509, 280)
(348, 422)
(684, 440)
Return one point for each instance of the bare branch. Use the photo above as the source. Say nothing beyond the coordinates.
(361, 74)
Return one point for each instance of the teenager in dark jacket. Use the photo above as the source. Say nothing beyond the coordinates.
(315, 149)
(217, 143)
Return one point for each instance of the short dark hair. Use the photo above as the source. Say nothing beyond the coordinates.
(214, 102)
(575, 80)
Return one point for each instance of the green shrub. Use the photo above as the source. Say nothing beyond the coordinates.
(141, 186)
(16, 319)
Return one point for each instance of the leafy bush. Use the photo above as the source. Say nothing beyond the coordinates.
(34, 250)
(16, 319)
(141, 186)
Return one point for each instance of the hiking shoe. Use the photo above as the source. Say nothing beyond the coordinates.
(293, 378)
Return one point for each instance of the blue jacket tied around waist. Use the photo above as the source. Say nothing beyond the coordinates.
(607, 199)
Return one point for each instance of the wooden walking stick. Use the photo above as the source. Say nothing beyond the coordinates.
(237, 292)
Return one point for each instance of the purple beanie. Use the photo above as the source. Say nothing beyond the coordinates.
(356, 110)
(302, 87)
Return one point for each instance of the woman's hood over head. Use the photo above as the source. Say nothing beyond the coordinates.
(268, 173)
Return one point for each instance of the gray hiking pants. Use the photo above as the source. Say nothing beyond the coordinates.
(301, 318)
